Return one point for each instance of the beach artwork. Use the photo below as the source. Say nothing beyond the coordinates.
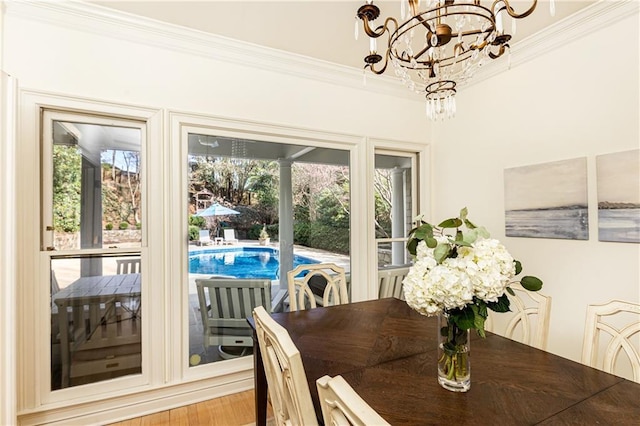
(618, 181)
(547, 200)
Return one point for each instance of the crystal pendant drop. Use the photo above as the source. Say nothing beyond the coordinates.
(355, 28)
(513, 27)
(552, 8)
(364, 77)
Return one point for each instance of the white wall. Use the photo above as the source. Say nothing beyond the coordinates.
(581, 100)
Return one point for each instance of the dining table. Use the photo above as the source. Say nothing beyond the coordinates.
(387, 352)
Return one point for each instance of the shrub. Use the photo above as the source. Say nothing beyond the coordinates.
(194, 233)
(198, 221)
(123, 226)
(108, 226)
(253, 233)
(301, 231)
(331, 238)
(138, 225)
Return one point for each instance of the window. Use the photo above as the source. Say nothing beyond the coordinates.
(256, 209)
(92, 237)
(395, 206)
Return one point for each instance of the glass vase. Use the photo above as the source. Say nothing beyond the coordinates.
(454, 363)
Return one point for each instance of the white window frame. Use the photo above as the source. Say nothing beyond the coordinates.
(34, 346)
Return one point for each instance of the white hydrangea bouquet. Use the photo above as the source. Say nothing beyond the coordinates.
(461, 274)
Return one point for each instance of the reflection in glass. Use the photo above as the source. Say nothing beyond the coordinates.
(95, 320)
(96, 186)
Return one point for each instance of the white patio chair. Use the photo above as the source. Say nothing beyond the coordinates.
(390, 282)
(286, 379)
(528, 321)
(323, 284)
(225, 305)
(341, 405)
(230, 236)
(611, 334)
(128, 266)
(204, 239)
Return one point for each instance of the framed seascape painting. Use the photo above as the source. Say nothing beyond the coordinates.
(547, 200)
(618, 180)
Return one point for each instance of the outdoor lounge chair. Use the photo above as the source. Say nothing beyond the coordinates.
(230, 236)
(204, 239)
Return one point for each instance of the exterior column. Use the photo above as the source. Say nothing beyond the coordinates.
(91, 215)
(285, 227)
(397, 216)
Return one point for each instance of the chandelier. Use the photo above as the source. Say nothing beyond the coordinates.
(441, 45)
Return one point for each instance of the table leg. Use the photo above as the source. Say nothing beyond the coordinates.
(260, 383)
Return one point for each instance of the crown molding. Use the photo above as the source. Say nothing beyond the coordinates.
(558, 35)
(111, 23)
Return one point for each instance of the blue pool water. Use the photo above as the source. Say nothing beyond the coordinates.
(241, 262)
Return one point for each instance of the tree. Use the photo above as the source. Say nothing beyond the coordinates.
(67, 175)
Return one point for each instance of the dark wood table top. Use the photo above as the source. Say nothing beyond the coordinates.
(387, 353)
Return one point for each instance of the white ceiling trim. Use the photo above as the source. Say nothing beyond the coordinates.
(115, 24)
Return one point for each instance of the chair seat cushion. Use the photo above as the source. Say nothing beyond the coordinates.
(317, 284)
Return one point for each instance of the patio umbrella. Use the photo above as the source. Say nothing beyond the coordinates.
(216, 210)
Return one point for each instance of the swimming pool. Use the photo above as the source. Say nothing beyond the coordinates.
(241, 262)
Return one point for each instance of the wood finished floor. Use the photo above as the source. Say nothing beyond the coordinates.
(231, 410)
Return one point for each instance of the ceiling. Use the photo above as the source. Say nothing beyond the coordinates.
(320, 29)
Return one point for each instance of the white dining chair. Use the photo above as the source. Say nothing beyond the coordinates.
(128, 266)
(528, 321)
(390, 282)
(341, 404)
(286, 379)
(327, 279)
(612, 333)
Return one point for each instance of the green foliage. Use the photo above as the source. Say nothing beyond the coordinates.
(138, 225)
(301, 233)
(194, 233)
(329, 238)
(123, 226)
(67, 174)
(108, 226)
(198, 221)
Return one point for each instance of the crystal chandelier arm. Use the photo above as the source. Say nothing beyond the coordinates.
(511, 11)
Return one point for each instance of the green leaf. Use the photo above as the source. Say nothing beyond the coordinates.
(431, 242)
(531, 283)
(441, 252)
(464, 318)
(502, 305)
(423, 232)
(510, 291)
(412, 245)
(470, 236)
(482, 232)
(463, 213)
(479, 319)
(451, 223)
(469, 224)
(459, 235)
(518, 267)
